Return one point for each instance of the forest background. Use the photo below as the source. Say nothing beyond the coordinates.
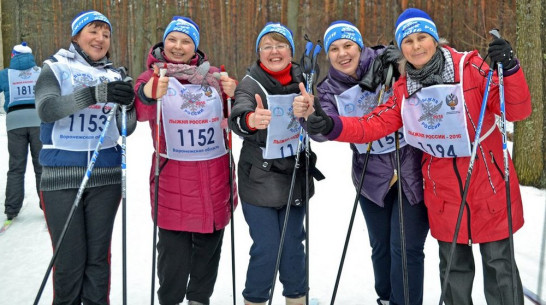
(228, 31)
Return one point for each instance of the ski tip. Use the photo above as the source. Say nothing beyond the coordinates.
(6, 225)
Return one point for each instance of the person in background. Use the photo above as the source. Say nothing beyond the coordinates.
(22, 124)
(262, 116)
(437, 101)
(193, 190)
(75, 93)
(356, 74)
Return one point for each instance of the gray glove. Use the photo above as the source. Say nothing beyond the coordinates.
(118, 91)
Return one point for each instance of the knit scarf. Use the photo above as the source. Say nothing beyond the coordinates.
(431, 73)
(198, 75)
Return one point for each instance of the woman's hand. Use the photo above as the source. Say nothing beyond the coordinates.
(162, 83)
(261, 117)
(228, 85)
(302, 106)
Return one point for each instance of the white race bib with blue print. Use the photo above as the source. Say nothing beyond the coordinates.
(22, 83)
(192, 117)
(435, 121)
(81, 131)
(356, 103)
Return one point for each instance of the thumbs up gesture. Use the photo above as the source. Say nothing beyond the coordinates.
(261, 117)
(302, 106)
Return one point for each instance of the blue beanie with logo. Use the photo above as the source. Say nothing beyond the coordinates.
(183, 25)
(414, 20)
(277, 28)
(84, 18)
(342, 29)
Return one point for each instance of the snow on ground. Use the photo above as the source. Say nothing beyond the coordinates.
(26, 249)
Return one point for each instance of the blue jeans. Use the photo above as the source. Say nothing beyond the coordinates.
(265, 225)
(384, 233)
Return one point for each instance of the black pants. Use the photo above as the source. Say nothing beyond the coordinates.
(186, 254)
(19, 140)
(384, 232)
(82, 269)
(497, 276)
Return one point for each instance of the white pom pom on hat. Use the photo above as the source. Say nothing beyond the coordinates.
(20, 49)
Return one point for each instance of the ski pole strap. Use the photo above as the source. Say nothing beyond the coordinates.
(390, 72)
(155, 80)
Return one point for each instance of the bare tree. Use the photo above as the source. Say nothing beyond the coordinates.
(529, 134)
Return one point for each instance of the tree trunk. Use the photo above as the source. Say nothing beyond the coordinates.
(529, 134)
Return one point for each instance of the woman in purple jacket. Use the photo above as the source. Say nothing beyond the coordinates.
(351, 89)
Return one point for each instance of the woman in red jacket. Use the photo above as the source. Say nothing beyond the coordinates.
(437, 101)
(194, 190)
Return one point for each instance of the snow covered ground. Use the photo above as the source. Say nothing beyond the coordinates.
(25, 249)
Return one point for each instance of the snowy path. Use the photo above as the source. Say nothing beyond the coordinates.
(26, 249)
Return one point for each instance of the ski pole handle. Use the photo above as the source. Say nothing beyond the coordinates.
(495, 33)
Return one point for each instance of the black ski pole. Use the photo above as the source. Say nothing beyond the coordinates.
(162, 73)
(358, 188)
(307, 70)
(466, 186)
(124, 189)
(306, 66)
(401, 221)
(76, 203)
(231, 190)
(286, 215)
(312, 76)
(500, 74)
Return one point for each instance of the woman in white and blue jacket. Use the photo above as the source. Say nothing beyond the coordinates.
(75, 92)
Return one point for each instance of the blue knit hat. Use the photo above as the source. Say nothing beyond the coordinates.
(414, 20)
(84, 18)
(277, 28)
(342, 29)
(183, 25)
(20, 49)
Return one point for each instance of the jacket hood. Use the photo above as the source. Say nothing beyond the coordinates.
(156, 54)
(336, 82)
(22, 61)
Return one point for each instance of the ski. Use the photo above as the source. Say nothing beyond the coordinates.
(314, 301)
(531, 296)
(6, 226)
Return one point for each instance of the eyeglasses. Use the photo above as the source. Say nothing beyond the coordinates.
(279, 47)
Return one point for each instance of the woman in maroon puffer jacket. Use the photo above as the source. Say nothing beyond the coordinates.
(194, 190)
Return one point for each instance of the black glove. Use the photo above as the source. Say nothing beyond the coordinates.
(372, 78)
(500, 51)
(118, 91)
(319, 121)
(377, 74)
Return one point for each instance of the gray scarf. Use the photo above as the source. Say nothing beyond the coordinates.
(431, 73)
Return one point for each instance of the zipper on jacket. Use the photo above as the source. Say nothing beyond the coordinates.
(461, 190)
(496, 165)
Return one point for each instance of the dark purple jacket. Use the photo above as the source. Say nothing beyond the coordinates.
(380, 167)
